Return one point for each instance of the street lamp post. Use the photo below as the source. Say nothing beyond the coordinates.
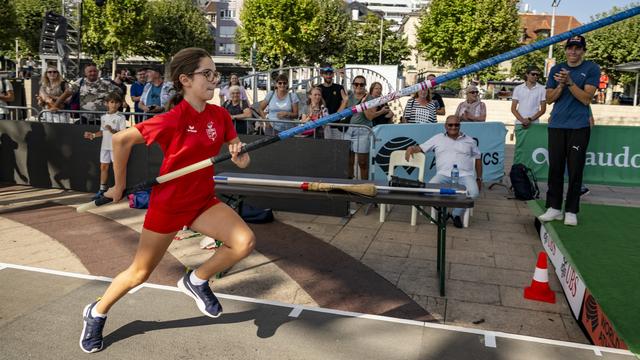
(380, 53)
(554, 6)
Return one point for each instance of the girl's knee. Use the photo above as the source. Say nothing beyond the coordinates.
(138, 275)
(244, 242)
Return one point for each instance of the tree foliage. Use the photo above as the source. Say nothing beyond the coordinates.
(331, 27)
(29, 15)
(363, 46)
(117, 28)
(9, 27)
(281, 29)
(462, 32)
(615, 44)
(175, 25)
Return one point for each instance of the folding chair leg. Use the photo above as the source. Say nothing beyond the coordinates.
(414, 216)
(467, 215)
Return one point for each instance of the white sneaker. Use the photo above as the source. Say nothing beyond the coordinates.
(570, 219)
(550, 215)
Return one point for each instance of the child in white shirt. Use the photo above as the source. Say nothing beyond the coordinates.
(110, 123)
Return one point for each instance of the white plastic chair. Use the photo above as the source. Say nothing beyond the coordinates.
(397, 159)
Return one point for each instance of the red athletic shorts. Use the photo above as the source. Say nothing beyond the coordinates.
(165, 222)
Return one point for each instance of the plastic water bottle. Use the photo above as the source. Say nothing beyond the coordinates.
(455, 175)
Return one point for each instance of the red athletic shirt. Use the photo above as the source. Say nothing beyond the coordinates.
(187, 137)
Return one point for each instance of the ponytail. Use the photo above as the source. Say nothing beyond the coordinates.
(174, 99)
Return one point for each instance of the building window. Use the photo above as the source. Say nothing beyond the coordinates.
(227, 49)
(227, 14)
(227, 31)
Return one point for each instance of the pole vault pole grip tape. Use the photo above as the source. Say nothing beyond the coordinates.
(248, 147)
(446, 191)
(397, 181)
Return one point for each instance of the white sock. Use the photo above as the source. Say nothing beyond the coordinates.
(103, 187)
(95, 313)
(196, 280)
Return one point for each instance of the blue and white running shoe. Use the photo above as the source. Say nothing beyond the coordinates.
(207, 302)
(91, 337)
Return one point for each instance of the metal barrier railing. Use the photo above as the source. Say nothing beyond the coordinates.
(86, 116)
(13, 112)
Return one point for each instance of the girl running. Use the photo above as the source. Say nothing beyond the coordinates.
(192, 130)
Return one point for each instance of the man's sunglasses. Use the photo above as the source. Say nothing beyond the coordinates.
(453, 125)
(326, 70)
(473, 92)
(355, 84)
(534, 74)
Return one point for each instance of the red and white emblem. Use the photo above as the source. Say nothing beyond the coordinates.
(211, 131)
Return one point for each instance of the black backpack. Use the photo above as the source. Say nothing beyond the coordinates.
(523, 182)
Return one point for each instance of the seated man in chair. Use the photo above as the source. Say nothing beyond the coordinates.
(454, 147)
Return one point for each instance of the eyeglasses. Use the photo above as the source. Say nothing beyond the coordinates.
(453, 125)
(534, 74)
(358, 84)
(210, 75)
(52, 71)
(326, 70)
(473, 92)
(282, 83)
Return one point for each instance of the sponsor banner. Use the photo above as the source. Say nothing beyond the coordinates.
(598, 325)
(613, 155)
(573, 287)
(488, 135)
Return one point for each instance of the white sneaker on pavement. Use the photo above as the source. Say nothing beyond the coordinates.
(570, 219)
(550, 215)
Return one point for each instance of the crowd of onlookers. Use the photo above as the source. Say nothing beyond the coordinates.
(83, 101)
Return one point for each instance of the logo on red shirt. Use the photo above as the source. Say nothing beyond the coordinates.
(211, 131)
(192, 129)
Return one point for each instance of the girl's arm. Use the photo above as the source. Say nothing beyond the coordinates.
(122, 143)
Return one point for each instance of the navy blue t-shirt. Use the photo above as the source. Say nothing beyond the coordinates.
(568, 112)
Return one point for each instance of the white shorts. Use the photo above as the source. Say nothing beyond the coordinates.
(359, 140)
(106, 156)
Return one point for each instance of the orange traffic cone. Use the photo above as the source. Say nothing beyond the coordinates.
(539, 289)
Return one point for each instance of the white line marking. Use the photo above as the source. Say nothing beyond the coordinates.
(135, 289)
(2, 267)
(496, 334)
(597, 351)
(296, 311)
(490, 339)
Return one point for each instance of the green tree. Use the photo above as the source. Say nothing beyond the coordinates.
(9, 27)
(282, 29)
(331, 29)
(462, 32)
(175, 25)
(29, 16)
(363, 46)
(615, 44)
(115, 29)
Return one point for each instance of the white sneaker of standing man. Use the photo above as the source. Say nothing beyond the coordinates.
(550, 215)
(570, 219)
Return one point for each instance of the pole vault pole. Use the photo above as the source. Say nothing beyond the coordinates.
(366, 189)
(381, 100)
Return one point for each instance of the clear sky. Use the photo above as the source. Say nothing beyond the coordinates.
(580, 9)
